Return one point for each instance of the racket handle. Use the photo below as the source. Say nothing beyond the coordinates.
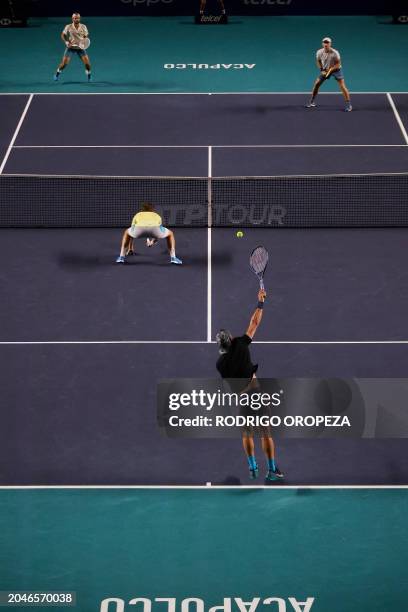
(261, 284)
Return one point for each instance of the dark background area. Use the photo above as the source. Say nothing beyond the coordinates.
(43, 8)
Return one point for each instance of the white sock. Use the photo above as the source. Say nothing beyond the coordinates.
(172, 253)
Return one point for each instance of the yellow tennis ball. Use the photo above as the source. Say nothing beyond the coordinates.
(240, 234)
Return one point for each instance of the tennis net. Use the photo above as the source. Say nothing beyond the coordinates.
(359, 200)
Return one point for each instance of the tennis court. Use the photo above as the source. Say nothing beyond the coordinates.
(209, 124)
(91, 338)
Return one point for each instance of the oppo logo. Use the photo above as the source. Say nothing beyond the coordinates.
(5, 22)
(146, 2)
(278, 2)
(403, 18)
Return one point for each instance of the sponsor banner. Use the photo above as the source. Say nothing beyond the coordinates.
(227, 604)
(287, 407)
(209, 66)
(205, 19)
(191, 7)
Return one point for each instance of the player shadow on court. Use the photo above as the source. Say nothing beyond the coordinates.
(230, 22)
(234, 481)
(217, 259)
(230, 481)
(322, 104)
(72, 260)
(67, 259)
(272, 109)
(84, 84)
(120, 85)
(83, 261)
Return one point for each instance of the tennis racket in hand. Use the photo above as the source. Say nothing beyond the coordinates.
(84, 43)
(258, 262)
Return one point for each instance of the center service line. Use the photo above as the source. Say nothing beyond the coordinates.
(209, 248)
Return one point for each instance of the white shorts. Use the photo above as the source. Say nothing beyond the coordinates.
(157, 231)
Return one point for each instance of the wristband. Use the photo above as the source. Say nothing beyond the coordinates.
(260, 305)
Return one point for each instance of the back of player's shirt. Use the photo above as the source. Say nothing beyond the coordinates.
(147, 219)
(236, 363)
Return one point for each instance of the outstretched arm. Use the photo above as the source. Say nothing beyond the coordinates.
(257, 316)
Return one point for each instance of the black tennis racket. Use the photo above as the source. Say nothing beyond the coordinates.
(258, 262)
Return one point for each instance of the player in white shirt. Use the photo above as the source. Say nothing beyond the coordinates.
(329, 63)
(71, 36)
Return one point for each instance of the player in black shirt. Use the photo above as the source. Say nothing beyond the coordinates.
(235, 362)
(204, 2)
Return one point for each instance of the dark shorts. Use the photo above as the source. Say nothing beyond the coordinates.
(69, 51)
(337, 74)
(263, 431)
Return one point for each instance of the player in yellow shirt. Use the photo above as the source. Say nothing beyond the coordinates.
(147, 224)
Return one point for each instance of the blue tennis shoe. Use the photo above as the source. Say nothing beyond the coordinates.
(275, 474)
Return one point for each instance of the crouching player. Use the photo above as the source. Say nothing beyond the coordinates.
(147, 224)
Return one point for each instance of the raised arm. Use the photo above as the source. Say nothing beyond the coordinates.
(257, 316)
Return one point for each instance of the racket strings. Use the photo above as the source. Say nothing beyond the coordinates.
(259, 260)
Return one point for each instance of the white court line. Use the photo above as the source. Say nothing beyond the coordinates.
(115, 146)
(398, 118)
(208, 341)
(114, 176)
(242, 146)
(213, 487)
(190, 93)
(12, 141)
(209, 248)
(243, 177)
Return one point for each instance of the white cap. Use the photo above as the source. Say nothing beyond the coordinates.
(327, 39)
